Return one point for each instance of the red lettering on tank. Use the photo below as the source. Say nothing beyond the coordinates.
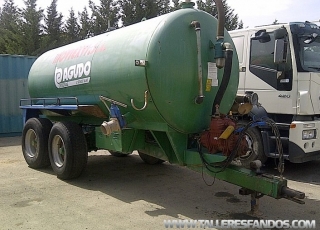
(77, 53)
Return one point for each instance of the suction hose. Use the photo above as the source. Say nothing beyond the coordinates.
(225, 79)
(223, 56)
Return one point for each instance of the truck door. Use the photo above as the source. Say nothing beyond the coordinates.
(270, 78)
(241, 45)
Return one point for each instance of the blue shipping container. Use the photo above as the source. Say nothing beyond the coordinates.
(14, 70)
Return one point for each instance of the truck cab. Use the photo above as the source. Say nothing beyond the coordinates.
(282, 64)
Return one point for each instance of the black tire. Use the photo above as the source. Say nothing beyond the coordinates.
(117, 154)
(67, 150)
(149, 159)
(35, 137)
(256, 151)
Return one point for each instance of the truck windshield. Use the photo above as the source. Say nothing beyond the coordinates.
(306, 39)
(311, 55)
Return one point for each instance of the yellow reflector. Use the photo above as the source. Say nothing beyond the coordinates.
(292, 126)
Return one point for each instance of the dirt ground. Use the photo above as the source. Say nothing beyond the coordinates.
(125, 193)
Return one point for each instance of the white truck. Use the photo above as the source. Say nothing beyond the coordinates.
(282, 64)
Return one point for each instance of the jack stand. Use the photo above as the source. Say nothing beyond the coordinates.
(255, 205)
(255, 196)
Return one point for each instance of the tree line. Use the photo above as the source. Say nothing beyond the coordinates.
(32, 31)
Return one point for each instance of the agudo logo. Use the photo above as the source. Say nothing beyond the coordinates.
(73, 75)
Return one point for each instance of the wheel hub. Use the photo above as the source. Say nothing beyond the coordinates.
(31, 143)
(58, 151)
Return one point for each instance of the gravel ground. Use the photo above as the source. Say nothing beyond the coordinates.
(125, 193)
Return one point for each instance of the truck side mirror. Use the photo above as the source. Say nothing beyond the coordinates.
(262, 36)
(280, 52)
(280, 33)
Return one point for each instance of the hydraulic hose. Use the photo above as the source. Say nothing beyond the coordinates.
(225, 78)
(222, 61)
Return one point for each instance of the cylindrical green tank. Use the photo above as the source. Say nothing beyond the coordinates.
(106, 65)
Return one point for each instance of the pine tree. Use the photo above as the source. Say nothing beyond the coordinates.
(163, 7)
(176, 5)
(72, 28)
(85, 24)
(104, 15)
(52, 27)
(156, 8)
(240, 25)
(231, 19)
(133, 11)
(11, 38)
(31, 27)
(129, 10)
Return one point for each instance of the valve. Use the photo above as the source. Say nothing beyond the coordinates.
(108, 127)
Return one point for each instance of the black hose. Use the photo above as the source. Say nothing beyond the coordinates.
(225, 80)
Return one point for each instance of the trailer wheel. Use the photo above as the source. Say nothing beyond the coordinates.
(35, 142)
(67, 150)
(255, 152)
(149, 159)
(118, 154)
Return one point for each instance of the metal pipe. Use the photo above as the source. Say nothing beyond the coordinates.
(197, 26)
(293, 195)
(221, 19)
(219, 45)
(276, 155)
(255, 205)
(288, 192)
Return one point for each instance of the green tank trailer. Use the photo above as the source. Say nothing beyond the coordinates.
(165, 87)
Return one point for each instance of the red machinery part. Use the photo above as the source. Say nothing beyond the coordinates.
(210, 138)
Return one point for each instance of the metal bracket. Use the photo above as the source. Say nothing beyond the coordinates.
(142, 63)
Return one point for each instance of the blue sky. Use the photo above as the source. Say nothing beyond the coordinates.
(251, 12)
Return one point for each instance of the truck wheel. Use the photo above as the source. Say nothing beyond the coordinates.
(67, 150)
(149, 159)
(35, 142)
(118, 154)
(255, 152)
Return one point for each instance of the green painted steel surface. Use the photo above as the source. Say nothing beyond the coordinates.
(126, 142)
(263, 183)
(105, 65)
(172, 74)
